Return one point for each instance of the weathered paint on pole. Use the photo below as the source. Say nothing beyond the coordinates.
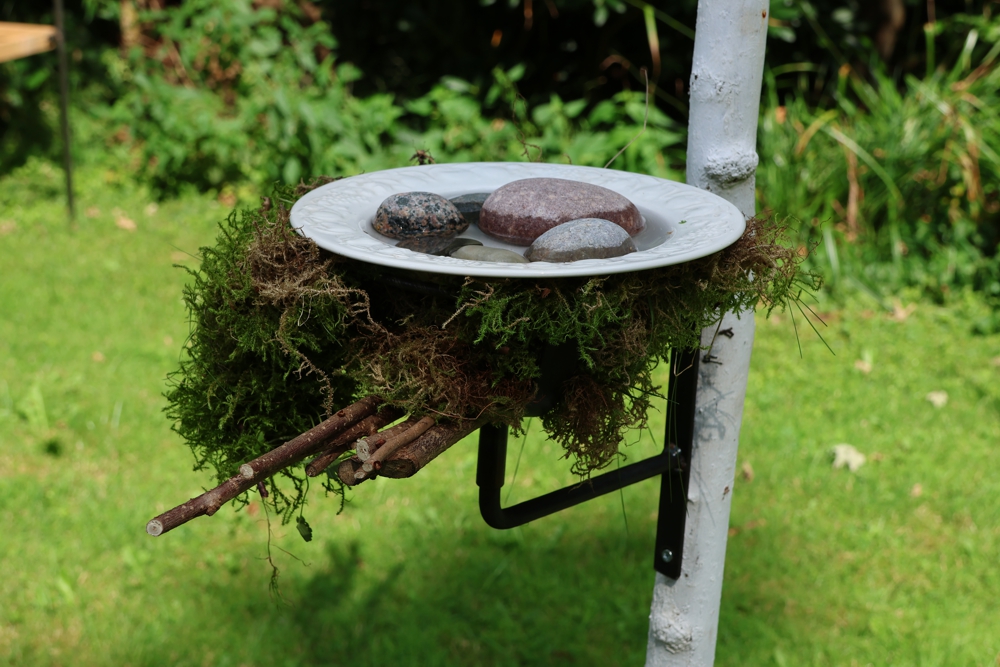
(684, 618)
(722, 137)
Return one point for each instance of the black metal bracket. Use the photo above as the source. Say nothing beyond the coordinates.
(672, 465)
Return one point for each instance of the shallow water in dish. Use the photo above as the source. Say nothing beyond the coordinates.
(656, 232)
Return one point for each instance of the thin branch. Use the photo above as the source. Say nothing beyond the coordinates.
(262, 467)
(366, 447)
(206, 504)
(409, 459)
(343, 442)
(347, 469)
(374, 461)
(309, 442)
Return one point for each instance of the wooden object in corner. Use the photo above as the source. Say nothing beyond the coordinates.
(19, 40)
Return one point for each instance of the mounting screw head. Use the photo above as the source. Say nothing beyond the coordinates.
(667, 555)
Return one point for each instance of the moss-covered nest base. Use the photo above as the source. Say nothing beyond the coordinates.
(284, 333)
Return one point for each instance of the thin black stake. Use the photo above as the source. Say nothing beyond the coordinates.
(64, 105)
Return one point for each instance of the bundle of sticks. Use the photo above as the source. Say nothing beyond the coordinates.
(398, 451)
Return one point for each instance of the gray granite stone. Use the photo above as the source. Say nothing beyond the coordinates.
(470, 205)
(413, 214)
(486, 254)
(589, 238)
(521, 211)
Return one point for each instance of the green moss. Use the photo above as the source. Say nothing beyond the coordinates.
(284, 333)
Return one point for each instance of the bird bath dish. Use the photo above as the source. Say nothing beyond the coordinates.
(682, 223)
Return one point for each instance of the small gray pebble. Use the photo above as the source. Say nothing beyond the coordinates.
(587, 238)
(450, 249)
(411, 214)
(470, 205)
(483, 254)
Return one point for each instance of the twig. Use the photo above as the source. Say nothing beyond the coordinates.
(207, 503)
(343, 442)
(374, 461)
(366, 447)
(309, 442)
(409, 459)
(347, 469)
(262, 467)
(645, 117)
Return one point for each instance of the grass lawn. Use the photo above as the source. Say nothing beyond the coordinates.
(895, 564)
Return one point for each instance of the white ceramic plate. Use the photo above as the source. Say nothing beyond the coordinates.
(682, 222)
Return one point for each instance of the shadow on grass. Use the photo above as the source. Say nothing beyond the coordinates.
(490, 599)
(551, 594)
(571, 590)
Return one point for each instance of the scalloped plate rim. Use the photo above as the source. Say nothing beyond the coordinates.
(344, 234)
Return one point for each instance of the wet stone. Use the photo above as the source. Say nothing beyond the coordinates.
(521, 211)
(436, 245)
(450, 249)
(486, 254)
(589, 238)
(470, 205)
(430, 245)
(413, 214)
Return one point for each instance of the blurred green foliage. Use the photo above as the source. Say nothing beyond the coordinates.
(898, 187)
(224, 111)
(220, 92)
(212, 93)
(450, 122)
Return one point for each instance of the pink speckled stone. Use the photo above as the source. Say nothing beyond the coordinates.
(521, 211)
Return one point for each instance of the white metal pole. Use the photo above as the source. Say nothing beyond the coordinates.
(722, 137)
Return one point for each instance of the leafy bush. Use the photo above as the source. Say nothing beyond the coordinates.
(217, 92)
(902, 187)
(220, 92)
(450, 122)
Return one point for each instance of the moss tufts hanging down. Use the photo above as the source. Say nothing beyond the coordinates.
(284, 333)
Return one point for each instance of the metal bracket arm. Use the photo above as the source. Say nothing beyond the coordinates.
(672, 465)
